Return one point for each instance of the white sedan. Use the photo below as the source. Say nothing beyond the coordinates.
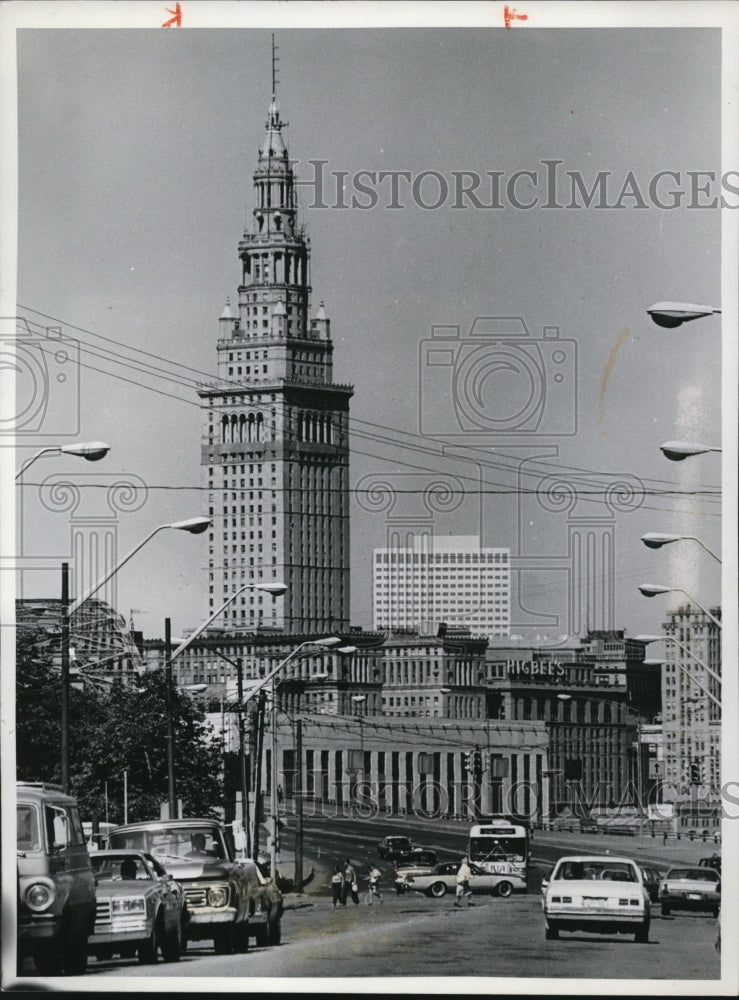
(596, 893)
(443, 879)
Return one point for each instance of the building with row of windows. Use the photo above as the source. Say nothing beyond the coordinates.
(452, 578)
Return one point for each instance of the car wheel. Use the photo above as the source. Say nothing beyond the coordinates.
(399, 889)
(275, 932)
(551, 933)
(47, 957)
(641, 936)
(437, 889)
(172, 944)
(74, 938)
(148, 951)
(715, 912)
(223, 940)
(241, 938)
(666, 911)
(505, 889)
(262, 936)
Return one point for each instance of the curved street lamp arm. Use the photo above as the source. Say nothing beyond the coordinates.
(705, 547)
(686, 649)
(273, 673)
(95, 587)
(705, 611)
(201, 628)
(32, 459)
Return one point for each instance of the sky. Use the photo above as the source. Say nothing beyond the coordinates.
(136, 150)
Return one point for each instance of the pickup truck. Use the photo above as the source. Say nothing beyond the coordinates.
(228, 901)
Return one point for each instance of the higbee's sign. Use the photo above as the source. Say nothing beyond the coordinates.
(550, 669)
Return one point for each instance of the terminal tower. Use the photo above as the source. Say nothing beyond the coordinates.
(275, 449)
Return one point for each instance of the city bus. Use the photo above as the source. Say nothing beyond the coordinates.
(500, 844)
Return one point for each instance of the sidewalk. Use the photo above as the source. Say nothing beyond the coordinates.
(641, 847)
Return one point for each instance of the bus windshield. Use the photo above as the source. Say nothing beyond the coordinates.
(500, 844)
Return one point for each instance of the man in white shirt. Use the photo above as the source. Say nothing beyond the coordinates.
(463, 884)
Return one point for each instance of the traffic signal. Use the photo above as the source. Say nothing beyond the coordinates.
(467, 761)
(695, 773)
(477, 763)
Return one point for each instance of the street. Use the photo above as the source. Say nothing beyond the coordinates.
(413, 935)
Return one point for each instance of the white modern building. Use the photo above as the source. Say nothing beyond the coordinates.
(451, 579)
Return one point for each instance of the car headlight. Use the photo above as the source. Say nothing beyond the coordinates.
(131, 904)
(218, 896)
(39, 896)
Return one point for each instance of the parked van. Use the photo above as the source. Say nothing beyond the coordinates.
(56, 884)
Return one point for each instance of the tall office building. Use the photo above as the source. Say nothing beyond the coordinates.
(275, 447)
(448, 578)
(691, 698)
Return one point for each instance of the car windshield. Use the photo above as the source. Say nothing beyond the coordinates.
(120, 867)
(189, 843)
(596, 869)
(691, 874)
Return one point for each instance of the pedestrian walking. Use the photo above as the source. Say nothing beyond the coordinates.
(350, 884)
(463, 884)
(337, 886)
(374, 877)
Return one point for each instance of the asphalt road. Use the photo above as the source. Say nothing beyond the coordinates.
(412, 935)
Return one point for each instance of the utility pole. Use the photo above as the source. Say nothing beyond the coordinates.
(171, 795)
(298, 793)
(258, 775)
(64, 722)
(245, 820)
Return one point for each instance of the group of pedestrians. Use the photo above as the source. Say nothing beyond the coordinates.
(344, 884)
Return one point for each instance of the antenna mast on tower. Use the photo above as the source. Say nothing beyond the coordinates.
(275, 60)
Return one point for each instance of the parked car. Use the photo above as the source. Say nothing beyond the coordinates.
(443, 878)
(418, 862)
(596, 893)
(140, 908)
(652, 878)
(391, 848)
(56, 886)
(690, 889)
(228, 901)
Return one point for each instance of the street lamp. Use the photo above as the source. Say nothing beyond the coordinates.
(93, 451)
(656, 539)
(653, 589)
(688, 651)
(194, 526)
(327, 643)
(276, 589)
(678, 451)
(672, 314)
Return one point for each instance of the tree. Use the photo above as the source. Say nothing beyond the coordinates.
(131, 736)
(121, 729)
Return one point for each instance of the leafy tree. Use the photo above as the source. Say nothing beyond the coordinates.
(122, 729)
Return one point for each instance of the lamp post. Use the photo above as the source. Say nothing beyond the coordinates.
(326, 643)
(656, 539)
(92, 451)
(276, 589)
(653, 589)
(688, 651)
(678, 451)
(672, 314)
(194, 526)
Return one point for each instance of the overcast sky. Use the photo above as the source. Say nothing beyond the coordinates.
(136, 154)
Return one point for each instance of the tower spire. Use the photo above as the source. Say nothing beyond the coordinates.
(275, 60)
